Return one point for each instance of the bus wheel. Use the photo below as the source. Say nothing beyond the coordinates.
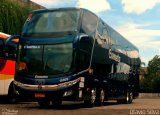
(102, 97)
(12, 97)
(44, 103)
(129, 97)
(92, 98)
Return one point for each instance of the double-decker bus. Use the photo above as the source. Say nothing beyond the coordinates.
(7, 65)
(72, 54)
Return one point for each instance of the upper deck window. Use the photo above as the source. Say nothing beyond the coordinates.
(51, 22)
(89, 22)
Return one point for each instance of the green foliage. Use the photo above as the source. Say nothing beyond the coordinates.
(151, 82)
(12, 17)
(156, 84)
(154, 66)
(146, 85)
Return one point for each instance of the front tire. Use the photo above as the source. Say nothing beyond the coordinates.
(130, 97)
(92, 98)
(12, 97)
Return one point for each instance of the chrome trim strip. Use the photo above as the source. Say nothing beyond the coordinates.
(46, 87)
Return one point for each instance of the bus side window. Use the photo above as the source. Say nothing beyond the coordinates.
(1, 49)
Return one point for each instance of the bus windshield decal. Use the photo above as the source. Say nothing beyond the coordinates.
(31, 47)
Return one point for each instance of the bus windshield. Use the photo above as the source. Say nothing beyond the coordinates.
(45, 59)
(47, 23)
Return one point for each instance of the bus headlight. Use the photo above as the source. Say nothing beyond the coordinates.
(67, 93)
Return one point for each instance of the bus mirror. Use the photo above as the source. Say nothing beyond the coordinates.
(85, 40)
(85, 43)
(14, 38)
(11, 45)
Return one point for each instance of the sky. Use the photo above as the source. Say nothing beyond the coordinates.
(137, 20)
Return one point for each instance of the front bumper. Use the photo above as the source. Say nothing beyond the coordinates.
(46, 87)
(51, 91)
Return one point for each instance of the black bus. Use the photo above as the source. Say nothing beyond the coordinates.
(71, 54)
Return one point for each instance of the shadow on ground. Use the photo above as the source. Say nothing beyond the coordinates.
(65, 106)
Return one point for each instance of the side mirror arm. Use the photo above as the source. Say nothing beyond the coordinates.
(11, 38)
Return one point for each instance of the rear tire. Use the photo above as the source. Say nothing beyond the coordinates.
(128, 99)
(100, 99)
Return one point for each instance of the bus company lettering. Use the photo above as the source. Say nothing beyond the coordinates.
(31, 47)
(63, 79)
(114, 56)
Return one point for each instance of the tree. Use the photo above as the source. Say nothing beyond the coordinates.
(12, 16)
(154, 67)
(151, 81)
(156, 84)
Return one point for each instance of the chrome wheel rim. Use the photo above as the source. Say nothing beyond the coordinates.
(127, 98)
(131, 97)
(93, 96)
(102, 96)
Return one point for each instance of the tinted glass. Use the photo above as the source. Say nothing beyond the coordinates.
(89, 22)
(46, 59)
(51, 22)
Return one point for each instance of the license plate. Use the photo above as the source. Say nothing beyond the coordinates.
(41, 95)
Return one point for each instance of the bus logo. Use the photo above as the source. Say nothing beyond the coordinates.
(37, 76)
(39, 81)
(63, 79)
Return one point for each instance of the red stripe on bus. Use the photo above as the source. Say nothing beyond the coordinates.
(7, 67)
